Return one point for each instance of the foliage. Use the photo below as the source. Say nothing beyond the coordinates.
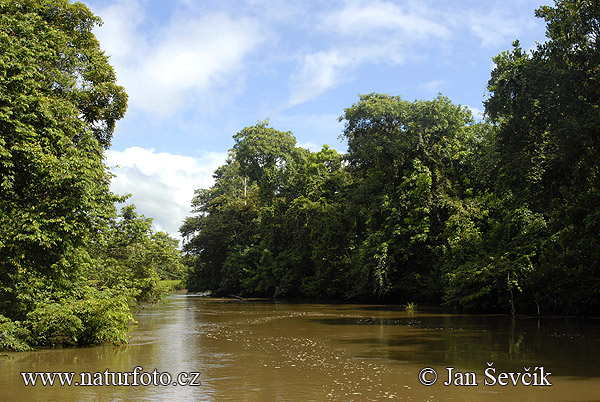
(264, 155)
(427, 204)
(170, 285)
(258, 230)
(134, 257)
(13, 335)
(59, 102)
(412, 163)
(364, 225)
(545, 105)
(90, 316)
(411, 307)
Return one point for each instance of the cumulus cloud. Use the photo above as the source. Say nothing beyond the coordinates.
(162, 184)
(118, 34)
(193, 56)
(200, 56)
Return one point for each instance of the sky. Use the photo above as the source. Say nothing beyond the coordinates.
(199, 71)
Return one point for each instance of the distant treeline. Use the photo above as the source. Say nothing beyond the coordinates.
(428, 204)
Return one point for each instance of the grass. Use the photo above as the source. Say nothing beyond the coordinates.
(171, 285)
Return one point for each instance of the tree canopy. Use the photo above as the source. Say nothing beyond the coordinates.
(367, 224)
(59, 102)
(545, 107)
(427, 204)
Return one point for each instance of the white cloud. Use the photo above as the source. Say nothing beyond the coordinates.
(497, 28)
(375, 32)
(321, 71)
(190, 57)
(162, 184)
(432, 86)
(375, 17)
(118, 34)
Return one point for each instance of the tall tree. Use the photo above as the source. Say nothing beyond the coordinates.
(59, 102)
(58, 107)
(412, 162)
(545, 105)
(264, 156)
(223, 224)
(263, 227)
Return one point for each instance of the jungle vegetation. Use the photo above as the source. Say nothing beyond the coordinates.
(70, 265)
(428, 204)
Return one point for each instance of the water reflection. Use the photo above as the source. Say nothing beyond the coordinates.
(570, 346)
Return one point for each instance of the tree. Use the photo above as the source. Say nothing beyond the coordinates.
(224, 223)
(58, 106)
(545, 105)
(132, 256)
(254, 231)
(369, 224)
(412, 162)
(264, 155)
(59, 102)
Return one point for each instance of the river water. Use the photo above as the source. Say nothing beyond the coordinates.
(266, 351)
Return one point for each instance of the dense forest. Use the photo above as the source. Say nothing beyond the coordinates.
(427, 204)
(71, 267)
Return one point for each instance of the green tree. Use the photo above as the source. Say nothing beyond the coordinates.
(132, 256)
(301, 251)
(58, 107)
(255, 231)
(166, 257)
(264, 156)
(412, 162)
(226, 239)
(224, 222)
(286, 222)
(545, 105)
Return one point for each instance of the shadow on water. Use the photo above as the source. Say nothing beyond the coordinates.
(570, 346)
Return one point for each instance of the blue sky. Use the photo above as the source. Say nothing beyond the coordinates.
(198, 71)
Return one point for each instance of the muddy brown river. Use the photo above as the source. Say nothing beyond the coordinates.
(266, 351)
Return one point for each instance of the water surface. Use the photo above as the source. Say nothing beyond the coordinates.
(266, 351)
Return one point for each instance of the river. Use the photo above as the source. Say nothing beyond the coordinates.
(266, 351)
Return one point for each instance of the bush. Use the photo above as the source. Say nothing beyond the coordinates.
(54, 323)
(13, 336)
(90, 317)
(105, 317)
